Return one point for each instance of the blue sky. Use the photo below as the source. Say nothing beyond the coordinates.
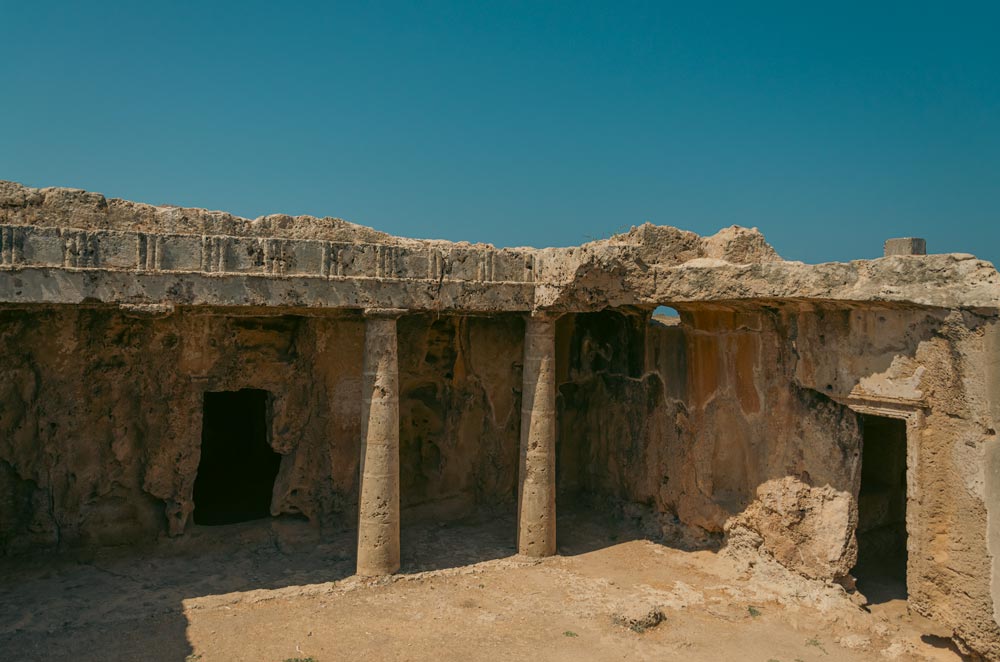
(830, 126)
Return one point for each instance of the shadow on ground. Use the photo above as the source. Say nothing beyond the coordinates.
(73, 606)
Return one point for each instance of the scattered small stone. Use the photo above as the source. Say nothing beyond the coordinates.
(855, 642)
(639, 618)
(881, 629)
(897, 649)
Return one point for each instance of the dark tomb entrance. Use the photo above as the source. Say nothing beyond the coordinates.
(238, 466)
(881, 567)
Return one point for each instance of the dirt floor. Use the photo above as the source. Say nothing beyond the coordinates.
(281, 593)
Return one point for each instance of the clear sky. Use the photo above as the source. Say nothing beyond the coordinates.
(830, 126)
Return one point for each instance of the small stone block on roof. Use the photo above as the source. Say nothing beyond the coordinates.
(905, 246)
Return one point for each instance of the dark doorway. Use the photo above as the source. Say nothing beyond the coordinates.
(238, 466)
(881, 567)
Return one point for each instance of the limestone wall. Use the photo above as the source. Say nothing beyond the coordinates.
(100, 416)
(932, 367)
(616, 422)
(768, 444)
(743, 421)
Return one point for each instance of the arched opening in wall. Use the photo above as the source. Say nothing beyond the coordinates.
(881, 532)
(666, 315)
(238, 466)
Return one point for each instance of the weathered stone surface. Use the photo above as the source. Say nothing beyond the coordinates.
(72, 208)
(905, 246)
(378, 503)
(68, 246)
(638, 616)
(806, 529)
(100, 416)
(739, 422)
(536, 505)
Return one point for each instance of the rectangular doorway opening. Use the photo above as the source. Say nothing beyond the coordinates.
(238, 466)
(881, 567)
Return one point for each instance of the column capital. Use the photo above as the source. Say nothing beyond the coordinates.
(543, 315)
(384, 313)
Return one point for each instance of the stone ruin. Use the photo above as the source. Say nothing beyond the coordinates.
(163, 367)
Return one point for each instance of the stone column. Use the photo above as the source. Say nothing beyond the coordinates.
(378, 502)
(536, 505)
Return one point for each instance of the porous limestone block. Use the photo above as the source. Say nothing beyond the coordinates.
(905, 246)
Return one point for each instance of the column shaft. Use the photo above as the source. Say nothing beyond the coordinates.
(536, 507)
(378, 507)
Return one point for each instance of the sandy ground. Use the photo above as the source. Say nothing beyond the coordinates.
(284, 594)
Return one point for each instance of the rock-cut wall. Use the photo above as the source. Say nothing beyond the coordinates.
(700, 419)
(744, 422)
(100, 416)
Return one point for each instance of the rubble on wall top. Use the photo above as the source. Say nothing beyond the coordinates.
(340, 264)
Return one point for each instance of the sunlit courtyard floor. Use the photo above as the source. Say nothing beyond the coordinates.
(277, 590)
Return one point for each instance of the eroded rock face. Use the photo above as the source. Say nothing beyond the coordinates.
(741, 420)
(806, 529)
(100, 425)
(85, 210)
